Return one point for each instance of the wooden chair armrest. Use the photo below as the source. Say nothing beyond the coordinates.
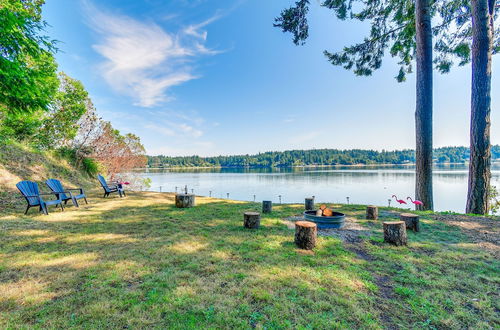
(79, 189)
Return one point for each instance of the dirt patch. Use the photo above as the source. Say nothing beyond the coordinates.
(481, 230)
(352, 232)
(384, 283)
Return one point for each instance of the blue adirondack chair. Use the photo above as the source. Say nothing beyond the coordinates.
(110, 187)
(65, 194)
(31, 193)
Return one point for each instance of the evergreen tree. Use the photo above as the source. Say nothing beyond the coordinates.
(483, 15)
(403, 27)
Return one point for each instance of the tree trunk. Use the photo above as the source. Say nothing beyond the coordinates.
(412, 221)
(309, 204)
(183, 201)
(305, 234)
(480, 147)
(395, 233)
(251, 220)
(267, 206)
(372, 212)
(423, 113)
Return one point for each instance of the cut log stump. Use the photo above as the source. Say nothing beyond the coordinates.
(395, 233)
(371, 212)
(412, 221)
(309, 204)
(251, 220)
(305, 234)
(267, 206)
(183, 201)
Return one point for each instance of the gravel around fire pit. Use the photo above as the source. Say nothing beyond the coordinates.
(352, 231)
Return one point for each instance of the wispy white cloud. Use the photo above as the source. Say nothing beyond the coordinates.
(144, 60)
(171, 124)
(201, 148)
(183, 126)
(196, 31)
(165, 131)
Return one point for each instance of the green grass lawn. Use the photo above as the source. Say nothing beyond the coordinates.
(139, 262)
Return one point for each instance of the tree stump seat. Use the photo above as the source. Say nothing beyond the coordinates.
(251, 220)
(267, 206)
(395, 233)
(183, 201)
(412, 221)
(371, 212)
(305, 234)
(309, 204)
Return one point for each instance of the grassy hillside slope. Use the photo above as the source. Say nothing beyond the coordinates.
(19, 162)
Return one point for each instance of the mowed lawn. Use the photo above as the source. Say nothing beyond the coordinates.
(139, 262)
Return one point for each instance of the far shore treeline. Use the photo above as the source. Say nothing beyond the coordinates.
(316, 157)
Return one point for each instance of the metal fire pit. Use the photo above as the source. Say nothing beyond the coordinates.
(335, 221)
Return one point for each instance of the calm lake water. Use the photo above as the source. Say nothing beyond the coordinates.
(363, 185)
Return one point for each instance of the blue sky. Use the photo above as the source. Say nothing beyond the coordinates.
(215, 77)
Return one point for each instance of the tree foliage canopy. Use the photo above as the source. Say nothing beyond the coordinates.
(48, 110)
(392, 29)
(28, 71)
(70, 103)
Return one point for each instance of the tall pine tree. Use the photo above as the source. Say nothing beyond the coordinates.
(403, 28)
(483, 14)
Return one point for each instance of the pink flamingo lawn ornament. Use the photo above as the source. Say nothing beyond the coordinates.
(400, 201)
(416, 202)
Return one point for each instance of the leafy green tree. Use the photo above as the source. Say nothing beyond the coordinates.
(28, 78)
(61, 123)
(21, 126)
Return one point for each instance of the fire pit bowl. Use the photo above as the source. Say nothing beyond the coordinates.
(335, 221)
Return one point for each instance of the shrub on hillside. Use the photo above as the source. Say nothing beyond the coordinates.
(91, 166)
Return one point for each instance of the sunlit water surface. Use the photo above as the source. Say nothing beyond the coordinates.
(362, 185)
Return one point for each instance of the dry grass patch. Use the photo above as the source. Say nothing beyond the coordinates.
(138, 262)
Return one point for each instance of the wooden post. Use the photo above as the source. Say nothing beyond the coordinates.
(309, 204)
(184, 200)
(267, 206)
(305, 234)
(251, 220)
(395, 233)
(412, 221)
(372, 212)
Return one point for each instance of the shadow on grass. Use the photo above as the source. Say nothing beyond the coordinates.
(151, 264)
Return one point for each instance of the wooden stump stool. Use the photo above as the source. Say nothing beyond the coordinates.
(184, 200)
(371, 212)
(267, 206)
(309, 204)
(251, 220)
(395, 233)
(305, 234)
(412, 221)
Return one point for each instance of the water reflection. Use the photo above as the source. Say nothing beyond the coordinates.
(364, 185)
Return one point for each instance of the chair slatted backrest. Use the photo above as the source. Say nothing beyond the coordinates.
(29, 188)
(56, 186)
(103, 182)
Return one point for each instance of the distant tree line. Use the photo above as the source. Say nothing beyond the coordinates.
(315, 157)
